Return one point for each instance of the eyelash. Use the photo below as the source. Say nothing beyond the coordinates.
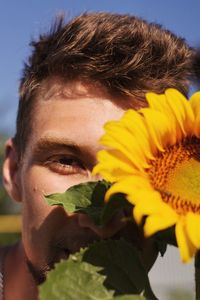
(65, 165)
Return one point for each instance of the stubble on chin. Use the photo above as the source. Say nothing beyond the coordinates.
(130, 233)
(38, 274)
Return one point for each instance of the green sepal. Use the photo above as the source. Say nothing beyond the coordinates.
(165, 237)
(116, 203)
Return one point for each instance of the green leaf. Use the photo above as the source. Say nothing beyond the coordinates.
(85, 197)
(105, 270)
(9, 238)
(75, 198)
(88, 198)
(72, 280)
(117, 202)
(120, 262)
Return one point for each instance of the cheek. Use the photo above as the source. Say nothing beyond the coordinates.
(35, 210)
(42, 181)
(41, 222)
(37, 214)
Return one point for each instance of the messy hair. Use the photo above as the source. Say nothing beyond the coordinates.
(124, 54)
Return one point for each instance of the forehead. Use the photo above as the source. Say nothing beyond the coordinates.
(75, 111)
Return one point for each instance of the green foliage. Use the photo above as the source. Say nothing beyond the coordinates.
(120, 262)
(9, 238)
(88, 198)
(105, 270)
(110, 269)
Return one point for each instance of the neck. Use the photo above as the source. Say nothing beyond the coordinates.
(18, 282)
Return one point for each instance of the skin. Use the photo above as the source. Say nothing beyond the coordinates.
(61, 152)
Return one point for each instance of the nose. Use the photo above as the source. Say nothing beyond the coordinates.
(110, 229)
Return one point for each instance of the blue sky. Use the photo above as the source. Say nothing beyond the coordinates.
(20, 20)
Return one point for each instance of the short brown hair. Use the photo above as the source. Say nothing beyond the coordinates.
(124, 54)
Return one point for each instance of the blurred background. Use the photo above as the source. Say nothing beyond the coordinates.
(22, 20)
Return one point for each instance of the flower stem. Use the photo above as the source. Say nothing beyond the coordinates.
(197, 275)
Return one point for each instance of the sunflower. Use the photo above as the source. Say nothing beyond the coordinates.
(153, 156)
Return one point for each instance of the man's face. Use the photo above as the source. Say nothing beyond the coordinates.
(67, 124)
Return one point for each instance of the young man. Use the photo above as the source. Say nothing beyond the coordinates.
(79, 76)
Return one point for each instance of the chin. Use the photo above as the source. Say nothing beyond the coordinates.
(39, 272)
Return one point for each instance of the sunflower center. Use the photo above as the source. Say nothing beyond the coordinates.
(175, 173)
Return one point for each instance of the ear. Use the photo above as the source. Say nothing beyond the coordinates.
(11, 171)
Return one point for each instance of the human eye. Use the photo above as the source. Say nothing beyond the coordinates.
(65, 165)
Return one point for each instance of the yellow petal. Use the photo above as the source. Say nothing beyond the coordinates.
(182, 111)
(187, 249)
(134, 123)
(197, 126)
(129, 186)
(158, 222)
(159, 128)
(157, 102)
(193, 228)
(117, 137)
(147, 201)
(152, 205)
(113, 165)
(135, 155)
(195, 104)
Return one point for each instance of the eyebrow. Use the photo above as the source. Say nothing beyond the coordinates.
(50, 144)
(54, 143)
